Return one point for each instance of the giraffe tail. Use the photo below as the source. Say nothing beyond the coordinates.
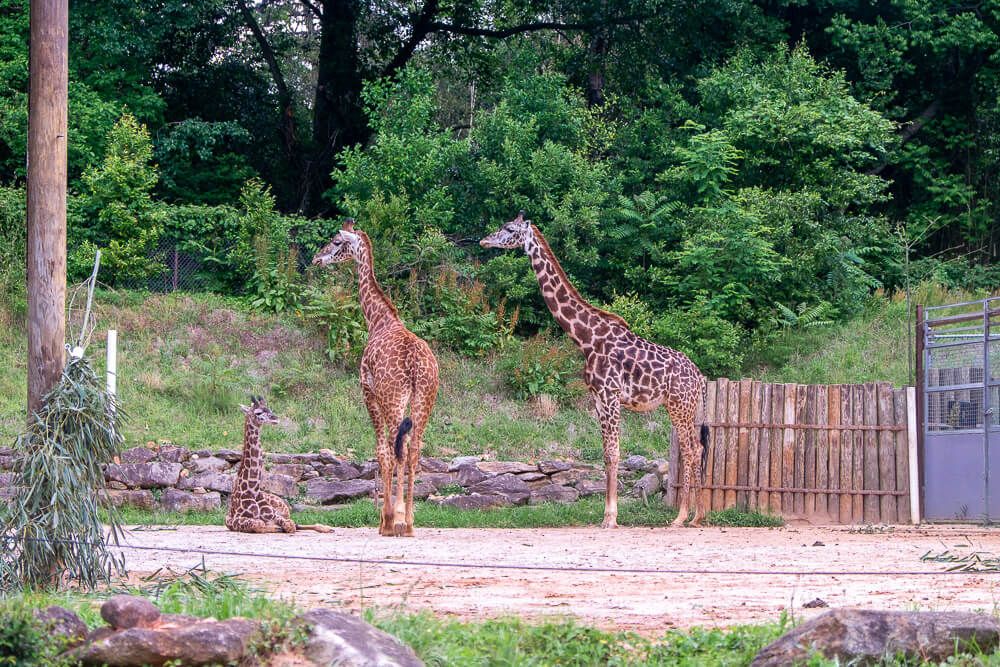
(704, 451)
(404, 428)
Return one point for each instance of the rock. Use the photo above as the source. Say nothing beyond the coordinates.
(117, 486)
(336, 638)
(229, 455)
(309, 474)
(7, 478)
(568, 477)
(294, 470)
(62, 623)
(137, 455)
(421, 490)
(174, 454)
(476, 501)
(468, 474)
(862, 636)
(342, 470)
(326, 492)
(280, 485)
(207, 464)
(279, 458)
(817, 603)
(635, 462)
(553, 493)
(141, 498)
(8, 462)
(533, 476)
(326, 456)
(552, 467)
(174, 500)
(428, 464)
(369, 470)
(648, 485)
(436, 479)
(129, 611)
(507, 485)
(460, 461)
(187, 642)
(213, 481)
(144, 475)
(504, 467)
(590, 487)
(201, 453)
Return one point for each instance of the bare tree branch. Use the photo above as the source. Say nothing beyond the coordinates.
(313, 8)
(421, 28)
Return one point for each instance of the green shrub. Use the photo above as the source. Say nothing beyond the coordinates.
(23, 642)
(455, 312)
(13, 297)
(541, 365)
(336, 312)
(715, 344)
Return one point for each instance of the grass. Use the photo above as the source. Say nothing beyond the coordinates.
(585, 512)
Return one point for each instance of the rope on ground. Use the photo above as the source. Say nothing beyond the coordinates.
(533, 568)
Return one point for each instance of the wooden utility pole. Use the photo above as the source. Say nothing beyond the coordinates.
(47, 101)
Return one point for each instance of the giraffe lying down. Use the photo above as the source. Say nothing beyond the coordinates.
(252, 510)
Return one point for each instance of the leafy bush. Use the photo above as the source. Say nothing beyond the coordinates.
(115, 212)
(13, 297)
(23, 642)
(715, 344)
(541, 365)
(336, 312)
(455, 313)
(199, 161)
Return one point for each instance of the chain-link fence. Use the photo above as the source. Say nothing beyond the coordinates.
(181, 269)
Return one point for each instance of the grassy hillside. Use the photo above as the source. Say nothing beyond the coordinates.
(187, 361)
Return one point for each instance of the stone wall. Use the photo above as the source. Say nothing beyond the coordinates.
(177, 479)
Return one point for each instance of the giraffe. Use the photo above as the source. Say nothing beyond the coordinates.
(250, 509)
(622, 370)
(398, 369)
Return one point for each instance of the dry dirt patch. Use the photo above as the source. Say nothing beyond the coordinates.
(644, 602)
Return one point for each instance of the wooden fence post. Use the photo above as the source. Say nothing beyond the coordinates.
(46, 196)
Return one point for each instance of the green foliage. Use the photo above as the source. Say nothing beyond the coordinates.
(455, 313)
(541, 365)
(715, 344)
(336, 312)
(23, 640)
(13, 269)
(200, 162)
(115, 212)
(53, 533)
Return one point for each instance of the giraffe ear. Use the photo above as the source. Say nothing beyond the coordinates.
(245, 409)
(348, 225)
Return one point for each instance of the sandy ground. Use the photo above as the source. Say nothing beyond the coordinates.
(644, 602)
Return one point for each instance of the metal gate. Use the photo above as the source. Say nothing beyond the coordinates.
(959, 363)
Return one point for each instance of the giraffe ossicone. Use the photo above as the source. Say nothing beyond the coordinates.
(622, 370)
(398, 372)
(251, 509)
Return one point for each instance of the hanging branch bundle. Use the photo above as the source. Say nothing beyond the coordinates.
(53, 533)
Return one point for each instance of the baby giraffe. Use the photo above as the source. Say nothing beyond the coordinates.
(398, 371)
(252, 510)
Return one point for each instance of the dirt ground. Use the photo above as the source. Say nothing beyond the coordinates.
(644, 602)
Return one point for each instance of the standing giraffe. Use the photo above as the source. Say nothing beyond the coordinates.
(622, 370)
(397, 369)
(250, 509)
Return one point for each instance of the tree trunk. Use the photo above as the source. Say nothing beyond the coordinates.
(338, 119)
(46, 270)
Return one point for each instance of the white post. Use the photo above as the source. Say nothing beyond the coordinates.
(112, 361)
(911, 437)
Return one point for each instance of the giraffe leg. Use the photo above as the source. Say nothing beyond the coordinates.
(686, 442)
(609, 414)
(694, 466)
(420, 412)
(386, 465)
(282, 513)
(395, 512)
(382, 450)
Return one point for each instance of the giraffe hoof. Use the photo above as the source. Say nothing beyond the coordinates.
(399, 530)
(609, 523)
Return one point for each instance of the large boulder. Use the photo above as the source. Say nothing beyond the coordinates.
(175, 500)
(144, 475)
(342, 471)
(468, 474)
(122, 612)
(436, 479)
(63, 624)
(327, 492)
(865, 637)
(553, 493)
(294, 470)
(505, 467)
(207, 464)
(141, 498)
(137, 455)
(230, 455)
(648, 485)
(552, 467)
(280, 485)
(508, 485)
(213, 481)
(180, 642)
(174, 454)
(336, 638)
(428, 464)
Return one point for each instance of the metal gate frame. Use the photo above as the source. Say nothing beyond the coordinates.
(940, 328)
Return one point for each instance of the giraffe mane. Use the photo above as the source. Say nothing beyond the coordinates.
(371, 254)
(569, 284)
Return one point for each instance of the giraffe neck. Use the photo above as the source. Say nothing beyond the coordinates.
(253, 458)
(375, 305)
(573, 313)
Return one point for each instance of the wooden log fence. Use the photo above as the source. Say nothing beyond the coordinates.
(826, 453)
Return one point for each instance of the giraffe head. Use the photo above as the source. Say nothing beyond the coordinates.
(511, 235)
(341, 248)
(258, 412)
